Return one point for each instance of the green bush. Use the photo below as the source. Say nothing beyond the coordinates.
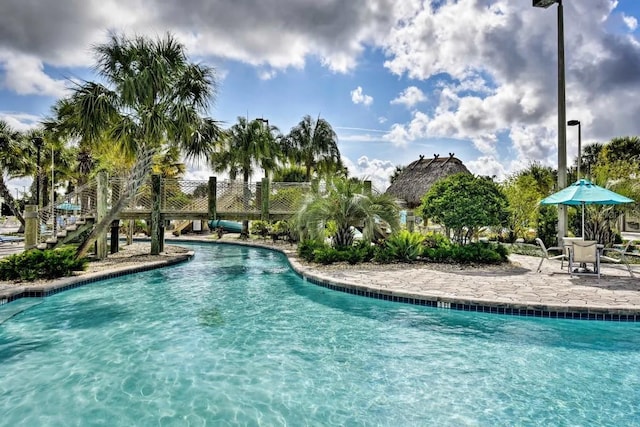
(365, 249)
(405, 245)
(259, 228)
(37, 264)
(435, 240)
(328, 255)
(383, 255)
(307, 247)
(480, 253)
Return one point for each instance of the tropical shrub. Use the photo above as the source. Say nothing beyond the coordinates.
(477, 252)
(405, 245)
(306, 249)
(346, 203)
(547, 225)
(435, 240)
(41, 264)
(260, 228)
(383, 255)
(464, 203)
(328, 255)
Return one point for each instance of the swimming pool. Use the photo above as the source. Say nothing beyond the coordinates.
(234, 337)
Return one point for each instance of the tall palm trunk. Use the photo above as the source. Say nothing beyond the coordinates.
(139, 172)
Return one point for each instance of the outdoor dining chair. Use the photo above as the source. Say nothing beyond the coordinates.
(545, 254)
(621, 253)
(584, 252)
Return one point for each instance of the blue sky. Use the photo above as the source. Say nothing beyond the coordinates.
(395, 78)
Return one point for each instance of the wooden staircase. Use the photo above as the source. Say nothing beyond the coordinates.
(72, 233)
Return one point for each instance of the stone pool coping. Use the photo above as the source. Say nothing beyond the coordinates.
(521, 292)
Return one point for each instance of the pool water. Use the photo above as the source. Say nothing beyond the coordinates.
(234, 337)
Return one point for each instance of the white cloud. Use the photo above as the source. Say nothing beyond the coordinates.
(487, 166)
(630, 21)
(382, 120)
(267, 74)
(358, 97)
(366, 137)
(24, 75)
(375, 170)
(20, 121)
(410, 97)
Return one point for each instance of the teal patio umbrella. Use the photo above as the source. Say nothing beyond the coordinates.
(584, 192)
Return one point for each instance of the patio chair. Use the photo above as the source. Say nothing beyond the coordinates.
(545, 254)
(621, 252)
(584, 252)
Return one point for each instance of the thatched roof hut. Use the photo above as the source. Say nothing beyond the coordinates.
(415, 180)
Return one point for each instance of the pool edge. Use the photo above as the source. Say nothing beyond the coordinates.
(72, 282)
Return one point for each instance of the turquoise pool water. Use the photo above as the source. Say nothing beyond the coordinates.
(236, 338)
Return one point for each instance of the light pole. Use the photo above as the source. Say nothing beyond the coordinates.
(264, 121)
(562, 130)
(37, 141)
(574, 123)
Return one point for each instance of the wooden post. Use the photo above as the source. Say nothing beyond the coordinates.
(411, 220)
(101, 212)
(264, 212)
(115, 236)
(212, 195)
(156, 225)
(30, 227)
(132, 224)
(115, 225)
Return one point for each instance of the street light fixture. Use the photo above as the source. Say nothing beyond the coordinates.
(577, 123)
(562, 115)
(38, 142)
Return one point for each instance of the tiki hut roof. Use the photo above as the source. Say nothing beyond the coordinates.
(416, 179)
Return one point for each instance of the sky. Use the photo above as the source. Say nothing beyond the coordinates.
(396, 79)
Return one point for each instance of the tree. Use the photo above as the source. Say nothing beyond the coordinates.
(314, 144)
(348, 204)
(464, 203)
(289, 174)
(589, 157)
(523, 197)
(151, 96)
(398, 170)
(244, 145)
(13, 163)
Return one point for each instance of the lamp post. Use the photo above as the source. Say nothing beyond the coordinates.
(562, 130)
(37, 141)
(264, 121)
(577, 123)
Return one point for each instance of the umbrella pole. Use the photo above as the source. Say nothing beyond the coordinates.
(583, 220)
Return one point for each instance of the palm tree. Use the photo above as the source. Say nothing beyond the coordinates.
(151, 96)
(347, 204)
(314, 144)
(13, 163)
(589, 157)
(246, 144)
